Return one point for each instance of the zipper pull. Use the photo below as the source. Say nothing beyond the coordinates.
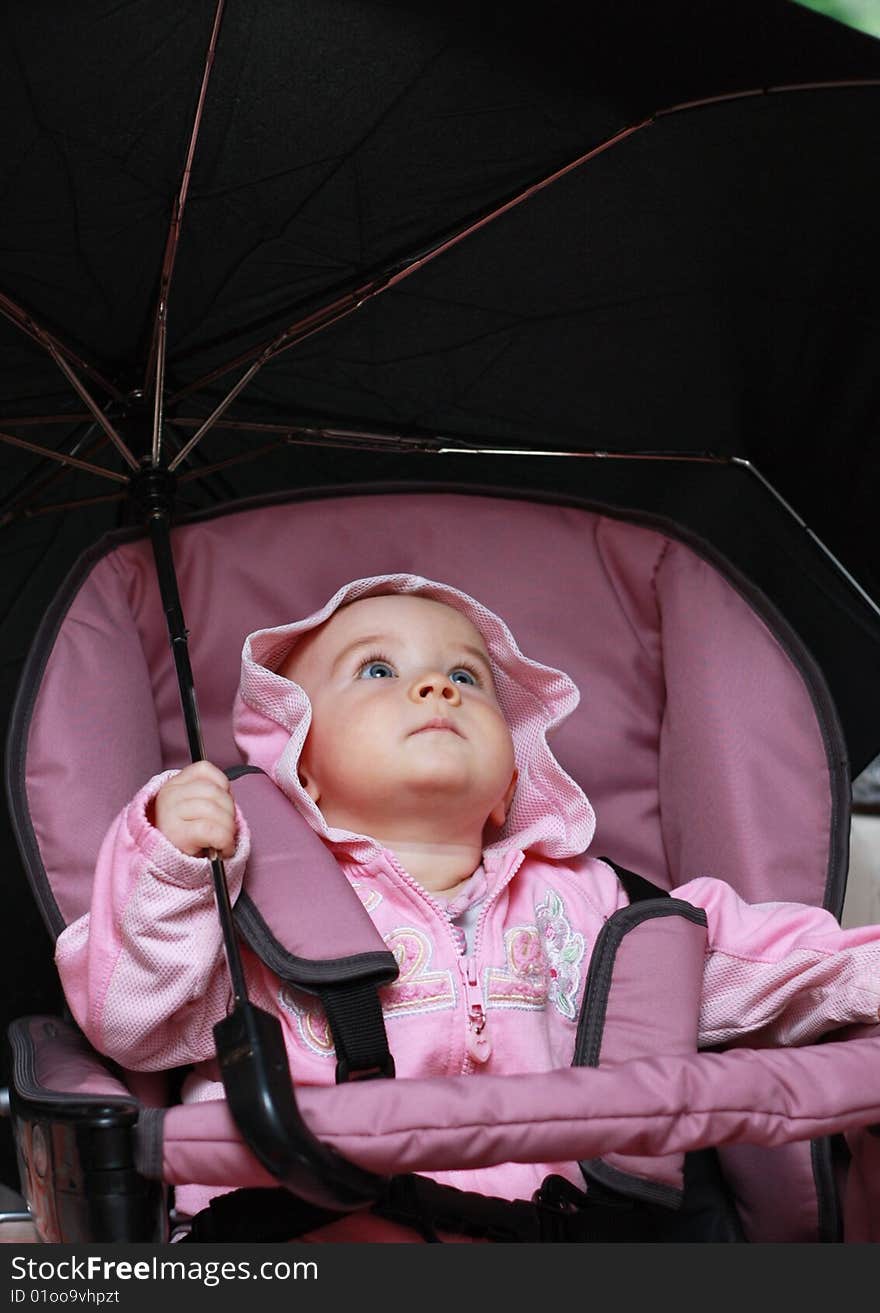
(479, 1044)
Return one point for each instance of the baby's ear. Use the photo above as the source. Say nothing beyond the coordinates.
(310, 785)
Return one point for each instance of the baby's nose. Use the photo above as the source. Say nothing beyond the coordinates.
(435, 685)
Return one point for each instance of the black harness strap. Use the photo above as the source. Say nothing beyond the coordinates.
(637, 888)
(354, 1014)
(560, 1213)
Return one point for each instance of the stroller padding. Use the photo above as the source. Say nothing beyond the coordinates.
(646, 1106)
(55, 1064)
(642, 997)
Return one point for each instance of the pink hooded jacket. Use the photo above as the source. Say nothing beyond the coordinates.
(491, 982)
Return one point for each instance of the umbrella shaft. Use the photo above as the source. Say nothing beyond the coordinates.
(160, 536)
(177, 631)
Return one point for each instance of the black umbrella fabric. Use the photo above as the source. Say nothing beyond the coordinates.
(329, 241)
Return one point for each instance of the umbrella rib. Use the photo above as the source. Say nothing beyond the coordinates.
(307, 328)
(64, 459)
(332, 435)
(29, 488)
(28, 325)
(774, 492)
(314, 436)
(31, 512)
(158, 345)
(382, 281)
(705, 102)
(233, 460)
(349, 302)
(83, 392)
(695, 458)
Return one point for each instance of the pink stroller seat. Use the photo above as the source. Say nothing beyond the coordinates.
(705, 739)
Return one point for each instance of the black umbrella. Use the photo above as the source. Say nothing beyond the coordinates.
(272, 245)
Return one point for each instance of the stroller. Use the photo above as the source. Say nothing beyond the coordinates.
(707, 742)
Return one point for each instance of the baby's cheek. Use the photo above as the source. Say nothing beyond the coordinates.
(353, 748)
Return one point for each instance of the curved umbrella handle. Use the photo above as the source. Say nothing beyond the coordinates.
(259, 1091)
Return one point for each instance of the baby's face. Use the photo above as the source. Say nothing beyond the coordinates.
(405, 719)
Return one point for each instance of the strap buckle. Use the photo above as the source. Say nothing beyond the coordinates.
(345, 1072)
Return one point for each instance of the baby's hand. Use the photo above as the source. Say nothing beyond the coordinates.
(195, 810)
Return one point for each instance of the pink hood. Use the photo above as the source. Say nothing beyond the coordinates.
(550, 814)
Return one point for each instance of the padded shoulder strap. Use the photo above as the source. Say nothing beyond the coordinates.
(297, 911)
(301, 917)
(641, 999)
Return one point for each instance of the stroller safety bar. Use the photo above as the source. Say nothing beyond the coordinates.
(645, 1106)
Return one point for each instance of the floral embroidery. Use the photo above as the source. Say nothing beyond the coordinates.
(564, 951)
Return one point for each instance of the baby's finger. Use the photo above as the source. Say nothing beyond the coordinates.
(203, 770)
(196, 817)
(193, 799)
(194, 836)
(206, 809)
(197, 791)
(214, 837)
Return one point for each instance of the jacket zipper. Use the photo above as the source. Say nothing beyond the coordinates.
(478, 1041)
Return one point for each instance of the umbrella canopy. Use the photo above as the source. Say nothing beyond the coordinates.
(357, 240)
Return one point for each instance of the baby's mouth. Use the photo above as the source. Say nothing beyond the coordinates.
(439, 724)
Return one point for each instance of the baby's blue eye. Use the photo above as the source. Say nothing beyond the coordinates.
(376, 670)
(461, 675)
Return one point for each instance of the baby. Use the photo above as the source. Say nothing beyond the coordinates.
(406, 726)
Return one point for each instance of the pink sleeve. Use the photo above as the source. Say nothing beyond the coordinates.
(144, 971)
(781, 973)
